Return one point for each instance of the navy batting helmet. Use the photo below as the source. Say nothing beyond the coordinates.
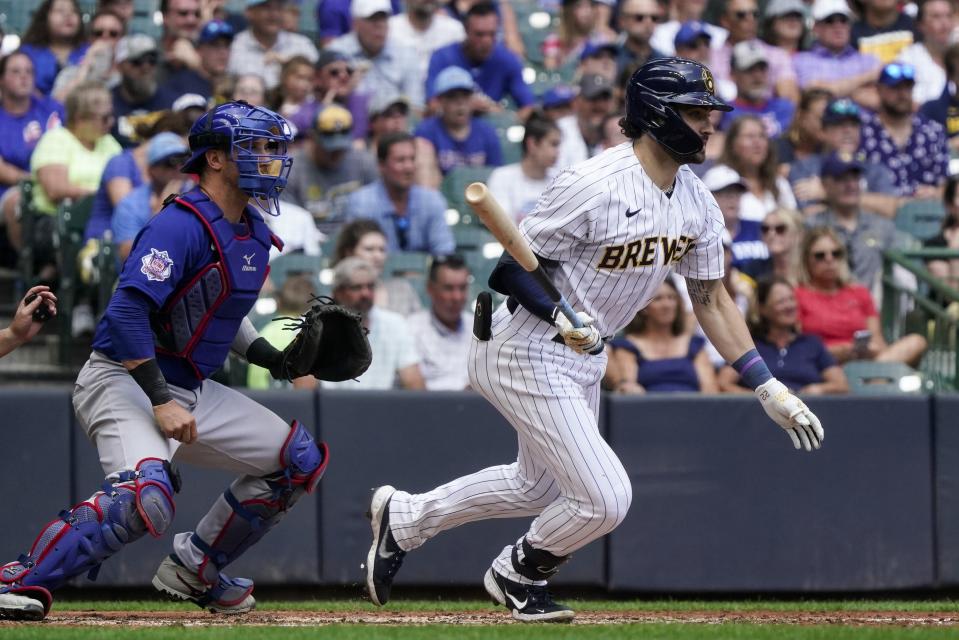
(652, 94)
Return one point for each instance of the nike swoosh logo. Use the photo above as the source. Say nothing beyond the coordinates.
(519, 605)
(630, 214)
(193, 591)
(381, 551)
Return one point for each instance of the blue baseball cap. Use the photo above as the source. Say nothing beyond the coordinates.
(895, 73)
(592, 49)
(689, 32)
(214, 30)
(558, 96)
(452, 79)
(165, 145)
(839, 164)
(841, 110)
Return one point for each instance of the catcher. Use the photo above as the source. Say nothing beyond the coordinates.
(145, 400)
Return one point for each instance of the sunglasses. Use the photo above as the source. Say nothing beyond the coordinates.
(338, 72)
(844, 107)
(836, 254)
(402, 227)
(836, 18)
(106, 33)
(779, 229)
(899, 71)
(643, 17)
(145, 61)
(742, 15)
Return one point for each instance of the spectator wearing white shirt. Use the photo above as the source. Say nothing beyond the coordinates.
(936, 22)
(582, 132)
(422, 29)
(443, 333)
(518, 186)
(265, 46)
(395, 362)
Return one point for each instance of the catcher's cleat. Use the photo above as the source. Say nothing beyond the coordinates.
(385, 556)
(526, 602)
(228, 595)
(24, 603)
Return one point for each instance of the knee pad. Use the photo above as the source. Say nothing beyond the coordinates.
(81, 538)
(535, 564)
(302, 462)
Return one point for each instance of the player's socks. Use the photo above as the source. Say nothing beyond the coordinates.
(385, 556)
(526, 602)
(229, 595)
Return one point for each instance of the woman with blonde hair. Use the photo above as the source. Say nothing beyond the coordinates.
(782, 233)
(578, 20)
(840, 312)
(748, 149)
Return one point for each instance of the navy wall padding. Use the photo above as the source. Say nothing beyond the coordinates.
(946, 421)
(288, 554)
(36, 463)
(416, 441)
(722, 502)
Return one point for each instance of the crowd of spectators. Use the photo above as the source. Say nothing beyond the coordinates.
(843, 113)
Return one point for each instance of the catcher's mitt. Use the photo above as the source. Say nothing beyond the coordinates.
(331, 345)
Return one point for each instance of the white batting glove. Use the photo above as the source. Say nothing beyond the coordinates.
(584, 340)
(791, 413)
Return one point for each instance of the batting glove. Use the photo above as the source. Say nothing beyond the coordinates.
(584, 340)
(791, 413)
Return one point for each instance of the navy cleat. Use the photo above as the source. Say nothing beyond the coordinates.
(385, 556)
(526, 602)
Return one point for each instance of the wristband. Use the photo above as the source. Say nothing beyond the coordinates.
(151, 380)
(752, 369)
(263, 354)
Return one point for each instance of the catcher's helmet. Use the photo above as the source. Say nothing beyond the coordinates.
(238, 127)
(653, 91)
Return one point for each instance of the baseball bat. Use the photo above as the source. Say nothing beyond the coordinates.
(504, 229)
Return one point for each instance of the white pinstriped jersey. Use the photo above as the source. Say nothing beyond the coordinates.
(617, 236)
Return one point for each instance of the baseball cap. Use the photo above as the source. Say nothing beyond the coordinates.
(189, 101)
(214, 30)
(592, 49)
(134, 46)
(451, 79)
(777, 8)
(837, 164)
(329, 56)
(380, 103)
(896, 73)
(253, 3)
(165, 145)
(747, 54)
(822, 9)
(558, 96)
(333, 128)
(841, 110)
(689, 32)
(722, 177)
(369, 8)
(593, 85)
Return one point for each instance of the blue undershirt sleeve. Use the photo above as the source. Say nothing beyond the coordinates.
(130, 330)
(509, 278)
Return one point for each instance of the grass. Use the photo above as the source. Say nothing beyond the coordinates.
(447, 606)
(517, 632)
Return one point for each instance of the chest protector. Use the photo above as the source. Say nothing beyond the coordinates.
(201, 318)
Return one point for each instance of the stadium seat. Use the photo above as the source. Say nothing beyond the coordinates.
(455, 183)
(72, 218)
(921, 218)
(882, 378)
(27, 215)
(471, 237)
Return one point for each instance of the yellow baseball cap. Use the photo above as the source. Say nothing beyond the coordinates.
(333, 128)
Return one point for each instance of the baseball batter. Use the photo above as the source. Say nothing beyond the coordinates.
(144, 399)
(609, 231)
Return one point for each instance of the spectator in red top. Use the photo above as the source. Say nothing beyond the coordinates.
(836, 310)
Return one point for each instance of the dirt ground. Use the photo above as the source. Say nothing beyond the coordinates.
(313, 618)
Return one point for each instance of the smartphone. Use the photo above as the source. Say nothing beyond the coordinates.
(860, 340)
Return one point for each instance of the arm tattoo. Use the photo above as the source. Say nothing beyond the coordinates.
(699, 291)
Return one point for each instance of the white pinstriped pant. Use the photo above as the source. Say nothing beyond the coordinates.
(565, 474)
